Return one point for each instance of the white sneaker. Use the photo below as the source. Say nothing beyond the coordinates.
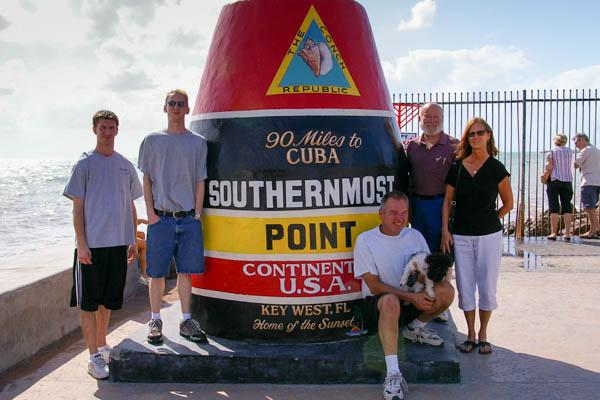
(394, 387)
(97, 367)
(144, 280)
(106, 354)
(423, 336)
(443, 317)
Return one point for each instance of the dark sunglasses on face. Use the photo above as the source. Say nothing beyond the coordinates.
(172, 103)
(478, 133)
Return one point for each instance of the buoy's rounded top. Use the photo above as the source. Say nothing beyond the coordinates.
(294, 54)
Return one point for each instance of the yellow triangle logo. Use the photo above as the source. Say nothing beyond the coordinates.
(313, 63)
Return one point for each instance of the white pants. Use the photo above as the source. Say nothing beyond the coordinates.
(477, 267)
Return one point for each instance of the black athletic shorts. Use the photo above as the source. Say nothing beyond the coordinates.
(371, 313)
(102, 282)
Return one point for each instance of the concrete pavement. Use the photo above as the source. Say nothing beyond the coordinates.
(34, 293)
(545, 338)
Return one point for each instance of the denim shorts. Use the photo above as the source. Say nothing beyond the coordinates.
(179, 238)
(589, 196)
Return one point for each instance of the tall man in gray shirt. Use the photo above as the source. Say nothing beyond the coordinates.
(174, 165)
(103, 185)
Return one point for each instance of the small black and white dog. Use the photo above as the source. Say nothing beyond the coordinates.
(424, 270)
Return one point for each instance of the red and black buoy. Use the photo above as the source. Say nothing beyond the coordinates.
(302, 147)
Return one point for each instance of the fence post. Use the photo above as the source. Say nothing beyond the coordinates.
(520, 231)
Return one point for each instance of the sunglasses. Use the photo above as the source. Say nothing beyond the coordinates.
(478, 133)
(172, 103)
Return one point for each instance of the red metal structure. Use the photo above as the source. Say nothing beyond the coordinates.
(405, 113)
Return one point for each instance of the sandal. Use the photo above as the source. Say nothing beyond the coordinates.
(590, 235)
(567, 238)
(463, 347)
(484, 347)
(552, 237)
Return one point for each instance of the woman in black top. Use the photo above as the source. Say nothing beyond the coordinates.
(477, 231)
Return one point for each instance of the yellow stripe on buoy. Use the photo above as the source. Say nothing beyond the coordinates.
(300, 235)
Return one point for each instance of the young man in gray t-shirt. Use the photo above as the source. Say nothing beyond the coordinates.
(103, 185)
(174, 165)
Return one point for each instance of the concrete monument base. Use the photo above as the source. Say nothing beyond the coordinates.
(356, 360)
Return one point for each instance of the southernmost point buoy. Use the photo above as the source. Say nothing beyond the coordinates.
(302, 148)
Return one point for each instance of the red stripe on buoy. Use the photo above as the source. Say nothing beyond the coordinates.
(280, 278)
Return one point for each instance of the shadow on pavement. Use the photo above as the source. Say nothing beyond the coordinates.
(48, 360)
(502, 375)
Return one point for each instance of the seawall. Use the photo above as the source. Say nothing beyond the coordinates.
(34, 301)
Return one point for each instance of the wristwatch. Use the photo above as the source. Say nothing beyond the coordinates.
(198, 215)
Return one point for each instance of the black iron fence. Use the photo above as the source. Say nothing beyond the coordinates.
(524, 124)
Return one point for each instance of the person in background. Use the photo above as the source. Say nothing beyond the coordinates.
(560, 186)
(588, 160)
(102, 186)
(173, 162)
(430, 156)
(140, 240)
(477, 229)
(380, 255)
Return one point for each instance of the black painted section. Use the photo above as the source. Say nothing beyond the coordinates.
(269, 149)
(241, 148)
(242, 320)
(357, 360)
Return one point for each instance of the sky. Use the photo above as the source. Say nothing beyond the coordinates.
(62, 60)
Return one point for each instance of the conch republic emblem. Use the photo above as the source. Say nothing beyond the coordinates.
(302, 146)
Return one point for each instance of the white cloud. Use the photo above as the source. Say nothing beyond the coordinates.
(185, 38)
(63, 60)
(4, 23)
(49, 22)
(485, 68)
(112, 52)
(110, 15)
(489, 67)
(28, 5)
(580, 78)
(130, 80)
(421, 16)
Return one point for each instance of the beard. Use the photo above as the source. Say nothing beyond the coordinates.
(431, 132)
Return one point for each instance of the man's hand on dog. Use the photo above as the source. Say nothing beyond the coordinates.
(422, 301)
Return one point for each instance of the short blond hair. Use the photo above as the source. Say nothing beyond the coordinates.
(177, 91)
(560, 139)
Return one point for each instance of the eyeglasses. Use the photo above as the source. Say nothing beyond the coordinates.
(478, 133)
(172, 103)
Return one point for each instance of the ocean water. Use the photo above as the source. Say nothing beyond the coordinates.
(35, 214)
